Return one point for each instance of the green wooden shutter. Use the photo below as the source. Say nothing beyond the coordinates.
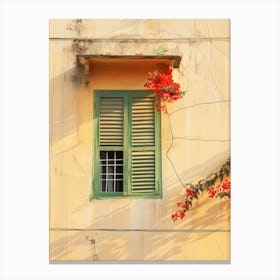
(144, 158)
(110, 121)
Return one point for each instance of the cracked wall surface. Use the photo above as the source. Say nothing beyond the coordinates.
(195, 142)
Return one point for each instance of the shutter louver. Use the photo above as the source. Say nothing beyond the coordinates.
(143, 171)
(143, 122)
(111, 121)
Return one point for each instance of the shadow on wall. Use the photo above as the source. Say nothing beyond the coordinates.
(140, 246)
(67, 116)
(182, 240)
(176, 190)
(198, 171)
(64, 100)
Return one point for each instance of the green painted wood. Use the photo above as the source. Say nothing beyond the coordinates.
(158, 153)
(141, 141)
(126, 163)
(113, 148)
(95, 179)
(143, 122)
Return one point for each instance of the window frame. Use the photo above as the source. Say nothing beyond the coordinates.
(126, 148)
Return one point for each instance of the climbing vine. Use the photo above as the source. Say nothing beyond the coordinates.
(216, 184)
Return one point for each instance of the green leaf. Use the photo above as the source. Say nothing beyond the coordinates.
(226, 171)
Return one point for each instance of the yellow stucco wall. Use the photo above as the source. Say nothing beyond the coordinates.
(140, 229)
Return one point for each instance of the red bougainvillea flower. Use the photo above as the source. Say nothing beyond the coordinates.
(226, 185)
(175, 216)
(216, 189)
(181, 214)
(190, 192)
(186, 206)
(164, 87)
(211, 192)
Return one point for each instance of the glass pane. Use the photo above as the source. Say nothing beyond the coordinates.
(102, 185)
(103, 169)
(110, 186)
(119, 186)
(111, 155)
(119, 169)
(102, 155)
(111, 171)
(119, 155)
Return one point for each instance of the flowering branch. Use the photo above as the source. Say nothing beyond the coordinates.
(221, 190)
(163, 86)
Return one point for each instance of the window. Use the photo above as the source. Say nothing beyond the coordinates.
(127, 150)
